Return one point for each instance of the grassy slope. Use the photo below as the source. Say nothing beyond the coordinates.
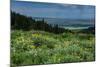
(66, 47)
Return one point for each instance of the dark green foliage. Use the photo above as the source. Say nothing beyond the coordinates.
(21, 22)
(90, 30)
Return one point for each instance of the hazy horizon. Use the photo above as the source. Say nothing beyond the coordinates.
(54, 13)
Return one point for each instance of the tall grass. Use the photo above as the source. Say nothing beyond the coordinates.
(52, 48)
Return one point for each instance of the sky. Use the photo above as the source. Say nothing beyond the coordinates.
(53, 10)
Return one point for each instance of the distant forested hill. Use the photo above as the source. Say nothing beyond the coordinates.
(21, 22)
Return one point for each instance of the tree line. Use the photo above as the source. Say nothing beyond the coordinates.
(21, 22)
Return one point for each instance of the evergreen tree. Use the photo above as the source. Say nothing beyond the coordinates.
(22, 22)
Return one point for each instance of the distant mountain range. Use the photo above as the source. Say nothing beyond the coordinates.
(68, 22)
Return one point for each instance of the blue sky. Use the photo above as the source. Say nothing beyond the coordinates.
(51, 10)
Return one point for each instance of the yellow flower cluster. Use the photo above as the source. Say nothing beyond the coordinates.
(36, 35)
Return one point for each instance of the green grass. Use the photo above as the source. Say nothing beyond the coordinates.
(54, 48)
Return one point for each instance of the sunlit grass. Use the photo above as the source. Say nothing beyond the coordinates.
(52, 48)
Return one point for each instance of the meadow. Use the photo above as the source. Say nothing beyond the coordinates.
(36, 47)
(51, 33)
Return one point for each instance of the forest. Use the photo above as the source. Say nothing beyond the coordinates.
(21, 22)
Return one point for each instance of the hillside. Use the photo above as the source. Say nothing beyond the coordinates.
(39, 47)
(37, 42)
